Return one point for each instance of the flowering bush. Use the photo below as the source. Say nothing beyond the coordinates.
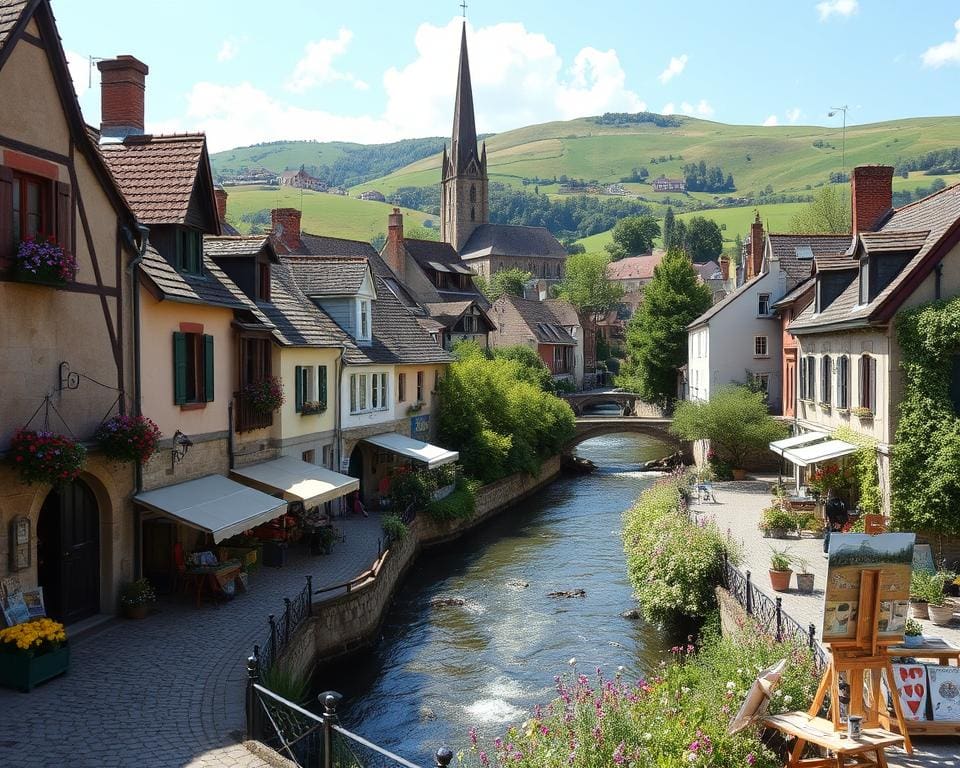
(46, 457)
(265, 395)
(46, 260)
(35, 637)
(139, 592)
(676, 717)
(829, 478)
(128, 438)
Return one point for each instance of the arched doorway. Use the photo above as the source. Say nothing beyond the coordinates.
(68, 552)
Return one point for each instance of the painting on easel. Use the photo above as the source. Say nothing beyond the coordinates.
(850, 554)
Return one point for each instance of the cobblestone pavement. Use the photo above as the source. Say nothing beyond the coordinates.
(167, 691)
(737, 511)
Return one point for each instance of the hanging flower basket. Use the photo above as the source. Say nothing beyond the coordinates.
(46, 457)
(33, 652)
(266, 395)
(128, 438)
(45, 262)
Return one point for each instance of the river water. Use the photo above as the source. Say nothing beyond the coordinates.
(440, 670)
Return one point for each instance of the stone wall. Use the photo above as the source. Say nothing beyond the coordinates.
(352, 621)
(733, 618)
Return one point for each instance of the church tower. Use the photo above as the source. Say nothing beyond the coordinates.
(464, 204)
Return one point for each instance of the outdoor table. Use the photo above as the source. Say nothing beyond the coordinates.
(216, 576)
(865, 751)
(932, 648)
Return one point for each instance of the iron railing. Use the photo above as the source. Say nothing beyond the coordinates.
(769, 613)
(315, 740)
(282, 628)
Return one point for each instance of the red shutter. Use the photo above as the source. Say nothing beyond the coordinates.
(6, 216)
(64, 211)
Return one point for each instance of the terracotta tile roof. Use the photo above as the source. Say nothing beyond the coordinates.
(635, 267)
(509, 240)
(790, 250)
(157, 174)
(324, 276)
(10, 12)
(234, 245)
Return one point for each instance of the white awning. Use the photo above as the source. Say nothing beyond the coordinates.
(297, 480)
(796, 441)
(814, 454)
(214, 504)
(431, 455)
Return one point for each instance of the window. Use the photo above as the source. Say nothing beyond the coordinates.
(363, 319)
(802, 375)
(419, 386)
(308, 456)
(763, 304)
(322, 382)
(304, 386)
(825, 375)
(401, 387)
(759, 346)
(263, 281)
(808, 378)
(192, 368)
(368, 389)
(864, 296)
(189, 255)
(761, 382)
(559, 359)
(31, 207)
(254, 360)
(469, 324)
(378, 393)
(868, 382)
(843, 382)
(473, 193)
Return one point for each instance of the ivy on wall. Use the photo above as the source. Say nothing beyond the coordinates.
(865, 470)
(925, 469)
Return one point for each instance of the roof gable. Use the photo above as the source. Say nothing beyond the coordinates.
(510, 240)
(538, 318)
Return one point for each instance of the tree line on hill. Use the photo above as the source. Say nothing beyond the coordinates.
(700, 177)
(635, 118)
(935, 162)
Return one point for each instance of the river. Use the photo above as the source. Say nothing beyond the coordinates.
(440, 670)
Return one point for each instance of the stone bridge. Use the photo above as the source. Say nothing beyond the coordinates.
(595, 426)
(629, 403)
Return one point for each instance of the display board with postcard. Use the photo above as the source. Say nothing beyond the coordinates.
(19, 605)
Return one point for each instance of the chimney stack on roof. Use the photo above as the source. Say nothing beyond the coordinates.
(393, 250)
(221, 194)
(725, 267)
(285, 227)
(122, 89)
(755, 258)
(871, 196)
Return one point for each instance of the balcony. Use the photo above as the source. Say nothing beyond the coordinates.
(249, 418)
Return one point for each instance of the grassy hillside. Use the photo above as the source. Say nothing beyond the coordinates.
(323, 214)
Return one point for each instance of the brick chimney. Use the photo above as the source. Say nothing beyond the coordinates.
(285, 227)
(871, 196)
(221, 194)
(122, 88)
(393, 251)
(755, 257)
(725, 268)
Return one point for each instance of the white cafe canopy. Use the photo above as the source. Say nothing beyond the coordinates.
(431, 455)
(297, 480)
(214, 504)
(796, 441)
(813, 454)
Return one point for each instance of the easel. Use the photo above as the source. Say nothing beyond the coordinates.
(851, 658)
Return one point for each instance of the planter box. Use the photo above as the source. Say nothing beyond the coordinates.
(25, 276)
(22, 671)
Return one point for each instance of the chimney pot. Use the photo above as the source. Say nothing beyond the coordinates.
(871, 196)
(122, 90)
(755, 260)
(221, 194)
(394, 253)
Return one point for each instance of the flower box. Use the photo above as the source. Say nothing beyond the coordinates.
(312, 407)
(26, 276)
(24, 670)
(44, 262)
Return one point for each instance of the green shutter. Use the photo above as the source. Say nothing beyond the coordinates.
(179, 368)
(298, 378)
(322, 376)
(208, 368)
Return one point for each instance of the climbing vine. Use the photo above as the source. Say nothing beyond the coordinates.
(924, 471)
(864, 466)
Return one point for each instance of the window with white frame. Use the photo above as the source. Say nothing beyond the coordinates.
(368, 392)
(763, 304)
(826, 373)
(303, 382)
(364, 322)
(378, 392)
(760, 346)
(868, 382)
(419, 386)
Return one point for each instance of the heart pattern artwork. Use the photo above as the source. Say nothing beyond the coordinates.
(911, 682)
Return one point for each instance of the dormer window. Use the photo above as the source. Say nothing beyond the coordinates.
(363, 320)
(189, 251)
(263, 280)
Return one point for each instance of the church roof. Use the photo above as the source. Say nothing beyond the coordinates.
(511, 240)
(464, 145)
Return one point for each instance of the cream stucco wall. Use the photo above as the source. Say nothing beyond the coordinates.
(31, 104)
(285, 361)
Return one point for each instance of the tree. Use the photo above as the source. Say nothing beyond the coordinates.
(669, 225)
(505, 282)
(633, 235)
(416, 232)
(704, 240)
(587, 287)
(735, 421)
(657, 332)
(679, 239)
(827, 213)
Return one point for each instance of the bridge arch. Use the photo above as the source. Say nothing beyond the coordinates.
(588, 428)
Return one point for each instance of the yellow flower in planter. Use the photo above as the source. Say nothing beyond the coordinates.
(34, 634)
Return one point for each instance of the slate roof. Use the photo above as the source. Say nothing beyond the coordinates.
(939, 216)
(539, 319)
(832, 262)
(233, 246)
(448, 311)
(425, 251)
(10, 12)
(327, 276)
(321, 245)
(563, 311)
(725, 301)
(509, 240)
(156, 174)
(707, 269)
(635, 267)
(784, 248)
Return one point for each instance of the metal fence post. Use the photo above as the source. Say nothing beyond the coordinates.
(286, 621)
(779, 619)
(253, 676)
(444, 756)
(749, 598)
(330, 700)
(273, 637)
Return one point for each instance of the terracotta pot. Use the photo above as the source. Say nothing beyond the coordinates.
(739, 474)
(919, 610)
(941, 615)
(138, 611)
(805, 583)
(780, 580)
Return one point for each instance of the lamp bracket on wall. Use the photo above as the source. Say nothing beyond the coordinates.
(68, 379)
(181, 445)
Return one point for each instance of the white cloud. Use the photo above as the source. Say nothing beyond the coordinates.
(829, 8)
(316, 67)
(668, 109)
(702, 109)
(675, 67)
(945, 53)
(771, 120)
(793, 114)
(228, 50)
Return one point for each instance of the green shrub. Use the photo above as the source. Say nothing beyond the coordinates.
(412, 487)
(393, 527)
(778, 517)
(458, 505)
(673, 563)
(285, 683)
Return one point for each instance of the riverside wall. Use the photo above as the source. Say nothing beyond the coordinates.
(349, 622)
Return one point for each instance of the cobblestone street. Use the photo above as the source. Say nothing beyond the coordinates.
(737, 511)
(168, 691)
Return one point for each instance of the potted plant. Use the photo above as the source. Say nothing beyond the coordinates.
(862, 413)
(913, 634)
(777, 522)
(32, 652)
(136, 597)
(804, 577)
(128, 438)
(813, 523)
(312, 407)
(265, 395)
(939, 606)
(46, 457)
(921, 587)
(43, 261)
(780, 571)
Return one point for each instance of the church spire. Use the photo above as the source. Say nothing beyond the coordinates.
(464, 145)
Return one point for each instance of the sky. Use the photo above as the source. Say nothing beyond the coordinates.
(249, 71)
